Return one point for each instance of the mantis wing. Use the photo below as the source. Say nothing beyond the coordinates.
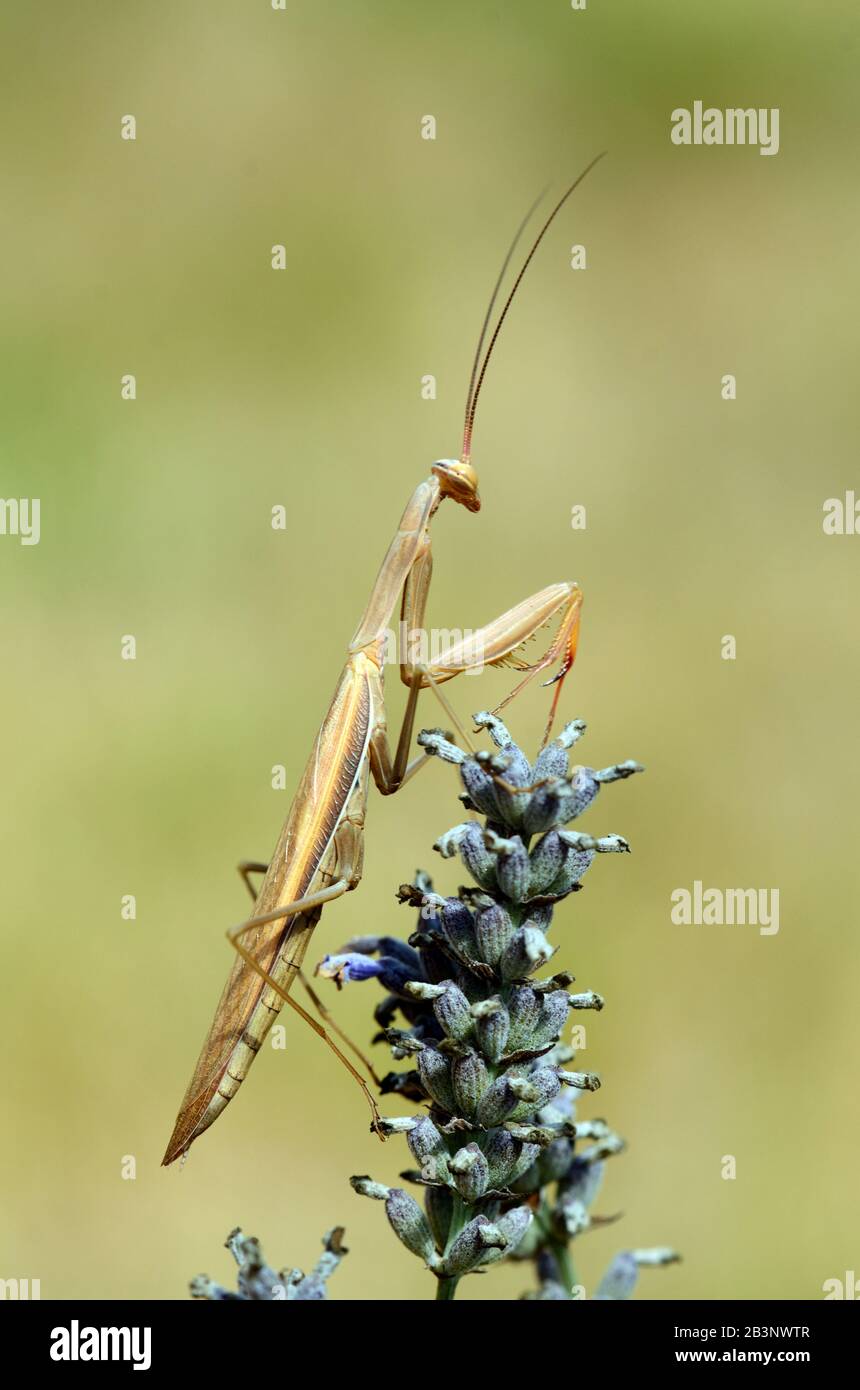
(303, 861)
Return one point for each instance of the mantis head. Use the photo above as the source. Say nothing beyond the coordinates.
(458, 480)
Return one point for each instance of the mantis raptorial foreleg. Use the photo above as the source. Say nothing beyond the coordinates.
(390, 774)
(500, 641)
(495, 644)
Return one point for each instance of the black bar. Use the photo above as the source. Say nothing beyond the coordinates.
(645, 1337)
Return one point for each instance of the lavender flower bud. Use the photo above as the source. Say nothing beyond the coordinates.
(507, 1157)
(541, 916)
(451, 1008)
(428, 1149)
(512, 865)
(582, 1080)
(553, 1017)
(496, 728)
(547, 806)
(481, 789)
(435, 1072)
(620, 1279)
(539, 1135)
(550, 1291)
(575, 863)
(469, 1248)
(493, 931)
(528, 1155)
(471, 1172)
(514, 1224)
(501, 1152)
(571, 733)
(618, 771)
(659, 1255)
(606, 1147)
(410, 1224)
(470, 1079)
(434, 742)
(468, 838)
(588, 1000)
(604, 844)
(201, 1286)
(571, 1215)
(309, 1290)
(546, 862)
(255, 1279)
(421, 989)
(497, 1103)
(527, 950)
(403, 1044)
(552, 760)
(400, 1124)
(448, 843)
(524, 1006)
(534, 1090)
(365, 1187)
(513, 1227)
(583, 790)
(512, 769)
(483, 1242)
(582, 1181)
(458, 928)
(492, 1026)
(512, 789)
(592, 1129)
(555, 1161)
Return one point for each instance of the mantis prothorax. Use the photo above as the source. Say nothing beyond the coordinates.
(319, 854)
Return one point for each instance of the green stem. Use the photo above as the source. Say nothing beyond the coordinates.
(564, 1264)
(447, 1288)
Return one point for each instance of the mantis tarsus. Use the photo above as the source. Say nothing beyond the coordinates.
(319, 854)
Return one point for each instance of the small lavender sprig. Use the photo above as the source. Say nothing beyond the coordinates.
(256, 1281)
(497, 1151)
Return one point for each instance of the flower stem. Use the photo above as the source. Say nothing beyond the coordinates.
(446, 1288)
(564, 1263)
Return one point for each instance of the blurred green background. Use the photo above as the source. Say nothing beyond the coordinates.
(256, 388)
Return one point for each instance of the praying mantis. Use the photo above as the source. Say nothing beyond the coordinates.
(319, 854)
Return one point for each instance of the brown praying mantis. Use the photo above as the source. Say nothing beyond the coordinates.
(320, 851)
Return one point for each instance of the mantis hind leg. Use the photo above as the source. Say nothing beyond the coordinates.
(250, 866)
(309, 907)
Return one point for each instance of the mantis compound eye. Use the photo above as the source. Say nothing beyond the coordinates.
(459, 481)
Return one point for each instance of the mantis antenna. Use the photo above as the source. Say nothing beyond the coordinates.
(477, 377)
(494, 296)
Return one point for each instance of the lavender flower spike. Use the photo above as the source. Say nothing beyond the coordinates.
(506, 1171)
(256, 1281)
